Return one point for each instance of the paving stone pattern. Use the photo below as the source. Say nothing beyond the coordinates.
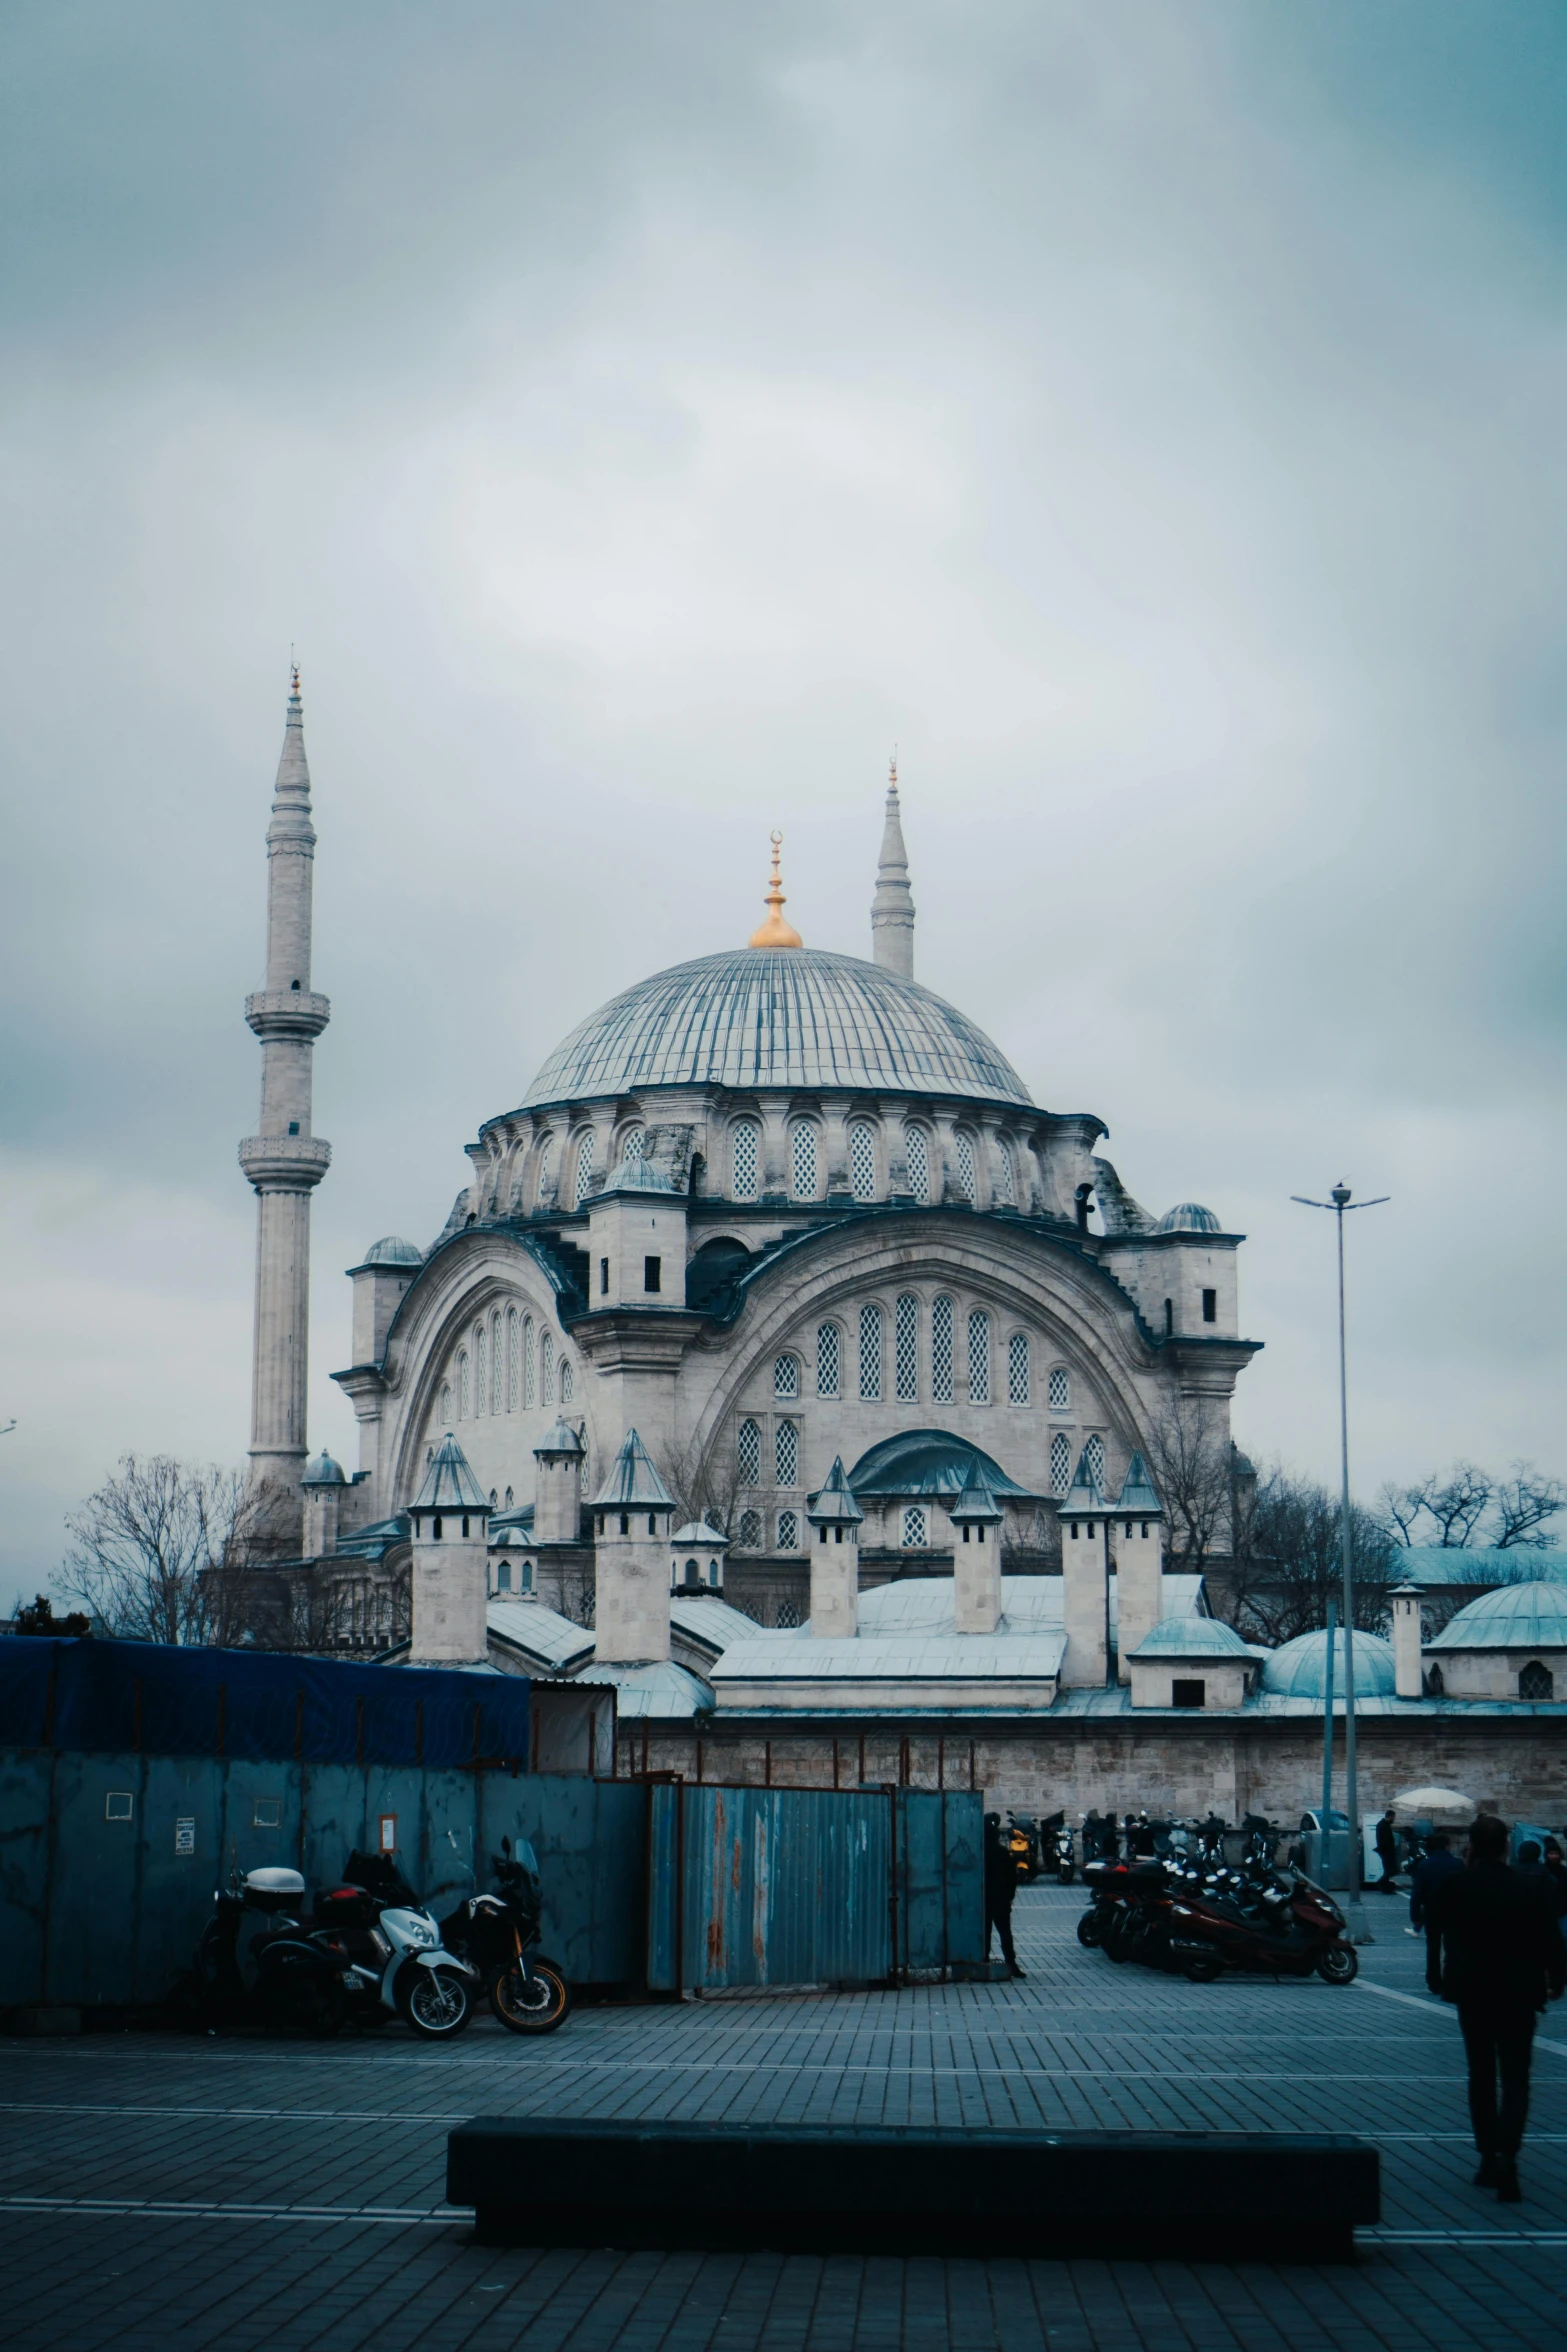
(165, 2193)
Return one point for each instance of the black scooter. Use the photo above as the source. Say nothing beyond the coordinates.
(496, 1935)
(286, 1977)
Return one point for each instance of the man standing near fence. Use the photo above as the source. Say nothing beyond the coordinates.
(1000, 1888)
(1492, 1947)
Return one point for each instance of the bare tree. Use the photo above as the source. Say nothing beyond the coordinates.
(707, 1485)
(1522, 1504)
(161, 1551)
(1468, 1506)
(1189, 1454)
(1296, 1560)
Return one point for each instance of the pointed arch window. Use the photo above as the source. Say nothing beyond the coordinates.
(905, 1347)
(1536, 1683)
(941, 1320)
(1060, 1390)
(750, 1538)
(530, 1365)
(870, 1354)
(1094, 1452)
(567, 1380)
(829, 1359)
(748, 1453)
(497, 1364)
(786, 1453)
(547, 1367)
(632, 1149)
(862, 1160)
(916, 1158)
(1017, 1368)
(541, 1189)
(479, 1369)
(584, 1169)
(916, 1527)
(963, 1163)
(745, 1159)
(788, 1531)
(512, 1366)
(802, 1160)
(463, 1394)
(444, 1403)
(786, 1376)
(1060, 1462)
(979, 1357)
(1003, 1182)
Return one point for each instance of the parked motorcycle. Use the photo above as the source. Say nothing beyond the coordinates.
(396, 1963)
(285, 1977)
(1065, 1856)
(1025, 1845)
(1199, 1920)
(497, 1935)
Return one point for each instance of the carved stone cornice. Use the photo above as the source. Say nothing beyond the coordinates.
(285, 1163)
(287, 1012)
(629, 1339)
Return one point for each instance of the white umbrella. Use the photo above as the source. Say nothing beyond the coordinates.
(1428, 1804)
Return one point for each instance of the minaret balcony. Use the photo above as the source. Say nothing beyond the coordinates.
(290, 1163)
(287, 1012)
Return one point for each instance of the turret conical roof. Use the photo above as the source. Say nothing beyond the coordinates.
(835, 1505)
(449, 1484)
(976, 1505)
(560, 1438)
(291, 792)
(1085, 1493)
(1137, 1497)
(633, 1481)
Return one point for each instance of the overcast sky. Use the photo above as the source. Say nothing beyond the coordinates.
(638, 419)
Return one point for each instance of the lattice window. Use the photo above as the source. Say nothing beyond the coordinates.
(802, 1160)
(829, 1359)
(862, 1160)
(963, 1168)
(905, 1347)
(547, 1367)
(748, 1453)
(916, 1526)
(541, 1190)
(1060, 1462)
(513, 1366)
(567, 1380)
(478, 1368)
(750, 1536)
(786, 1454)
(530, 1366)
(444, 1406)
(916, 1158)
(870, 1354)
(1094, 1452)
(1060, 1391)
(979, 1357)
(1003, 1182)
(786, 1376)
(464, 1389)
(1017, 1368)
(941, 1351)
(584, 1169)
(1536, 1683)
(787, 1617)
(497, 1364)
(745, 1159)
(788, 1531)
(632, 1149)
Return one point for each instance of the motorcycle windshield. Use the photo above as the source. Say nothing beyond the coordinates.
(523, 1853)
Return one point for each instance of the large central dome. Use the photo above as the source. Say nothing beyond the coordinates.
(759, 1017)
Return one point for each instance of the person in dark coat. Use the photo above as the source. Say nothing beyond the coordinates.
(1387, 1852)
(1556, 1879)
(1000, 1887)
(1436, 1863)
(1492, 1948)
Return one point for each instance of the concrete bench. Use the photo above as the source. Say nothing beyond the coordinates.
(912, 2189)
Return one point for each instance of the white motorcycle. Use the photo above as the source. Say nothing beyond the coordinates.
(397, 1964)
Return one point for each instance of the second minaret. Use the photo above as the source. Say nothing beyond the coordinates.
(892, 908)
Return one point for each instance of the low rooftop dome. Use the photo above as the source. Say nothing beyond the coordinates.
(391, 1251)
(1298, 1669)
(323, 1471)
(1192, 1637)
(1529, 1616)
(1190, 1217)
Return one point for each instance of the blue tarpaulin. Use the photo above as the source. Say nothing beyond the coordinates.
(146, 1698)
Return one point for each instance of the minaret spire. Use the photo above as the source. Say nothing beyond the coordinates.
(284, 1161)
(892, 908)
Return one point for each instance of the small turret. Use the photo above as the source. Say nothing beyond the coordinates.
(1137, 1521)
(835, 1558)
(557, 1486)
(696, 1560)
(892, 908)
(976, 1520)
(323, 1486)
(633, 1512)
(1408, 1671)
(1085, 1575)
(449, 1519)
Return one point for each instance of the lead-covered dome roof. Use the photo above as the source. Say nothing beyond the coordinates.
(795, 1017)
(1525, 1616)
(1298, 1669)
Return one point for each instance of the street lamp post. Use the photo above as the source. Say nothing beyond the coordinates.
(1338, 1201)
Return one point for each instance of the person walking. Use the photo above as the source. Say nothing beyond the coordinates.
(1387, 1852)
(1000, 1888)
(1436, 1863)
(1492, 1949)
(1556, 1880)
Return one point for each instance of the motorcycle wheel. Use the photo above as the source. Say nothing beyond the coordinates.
(436, 2004)
(533, 2004)
(1339, 1964)
(1088, 1932)
(1203, 1968)
(1114, 1945)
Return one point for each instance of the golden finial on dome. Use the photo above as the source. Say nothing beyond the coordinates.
(775, 932)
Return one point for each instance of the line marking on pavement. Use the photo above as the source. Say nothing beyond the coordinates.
(1520, 2237)
(169, 2208)
(1439, 2009)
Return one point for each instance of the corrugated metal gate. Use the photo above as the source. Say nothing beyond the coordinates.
(759, 1886)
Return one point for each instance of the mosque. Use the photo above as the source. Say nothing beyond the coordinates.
(785, 1375)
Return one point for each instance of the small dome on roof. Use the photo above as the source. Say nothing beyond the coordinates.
(1192, 1637)
(323, 1471)
(1529, 1616)
(1190, 1217)
(390, 1251)
(1298, 1669)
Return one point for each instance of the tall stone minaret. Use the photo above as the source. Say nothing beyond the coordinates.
(285, 1162)
(892, 909)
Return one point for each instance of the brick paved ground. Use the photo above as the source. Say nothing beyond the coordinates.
(161, 2193)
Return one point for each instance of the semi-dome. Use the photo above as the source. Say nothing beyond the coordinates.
(784, 1018)
(1298, 1668)
(390, 1250)
(1529, 1616)
(928, 1462)
(1190, 1217)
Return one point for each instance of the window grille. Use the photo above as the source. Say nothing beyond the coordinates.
(1060, 1462)
(1536, 1683)
(748, 1453)
(1017, 1368)
(445, 1407)
(462, 1384)
(1003, 1185)
(632, 1149)
(905, 1342)
(478, 1368)
(1095, 1451)
(745, 1158)
(584, 1169)
(829, 1359)
(964, 1168)
(916, 1526)
(979, 1357)
(917, 1160)
(547, 1367)
(511, 1359)
(541, 1190)
(862, 1160)
(802, 1154)
(497, 1366)
(788, 1616)
(941, 1351)
(567, 1380)
(788, 1531)
(750, 1531)
(786, 1452)
(786, 1376)
(530, 1366)
(1060, 1391)
(870, 1354)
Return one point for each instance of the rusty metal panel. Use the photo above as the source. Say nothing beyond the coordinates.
(757, 1886)
(939, 1877)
